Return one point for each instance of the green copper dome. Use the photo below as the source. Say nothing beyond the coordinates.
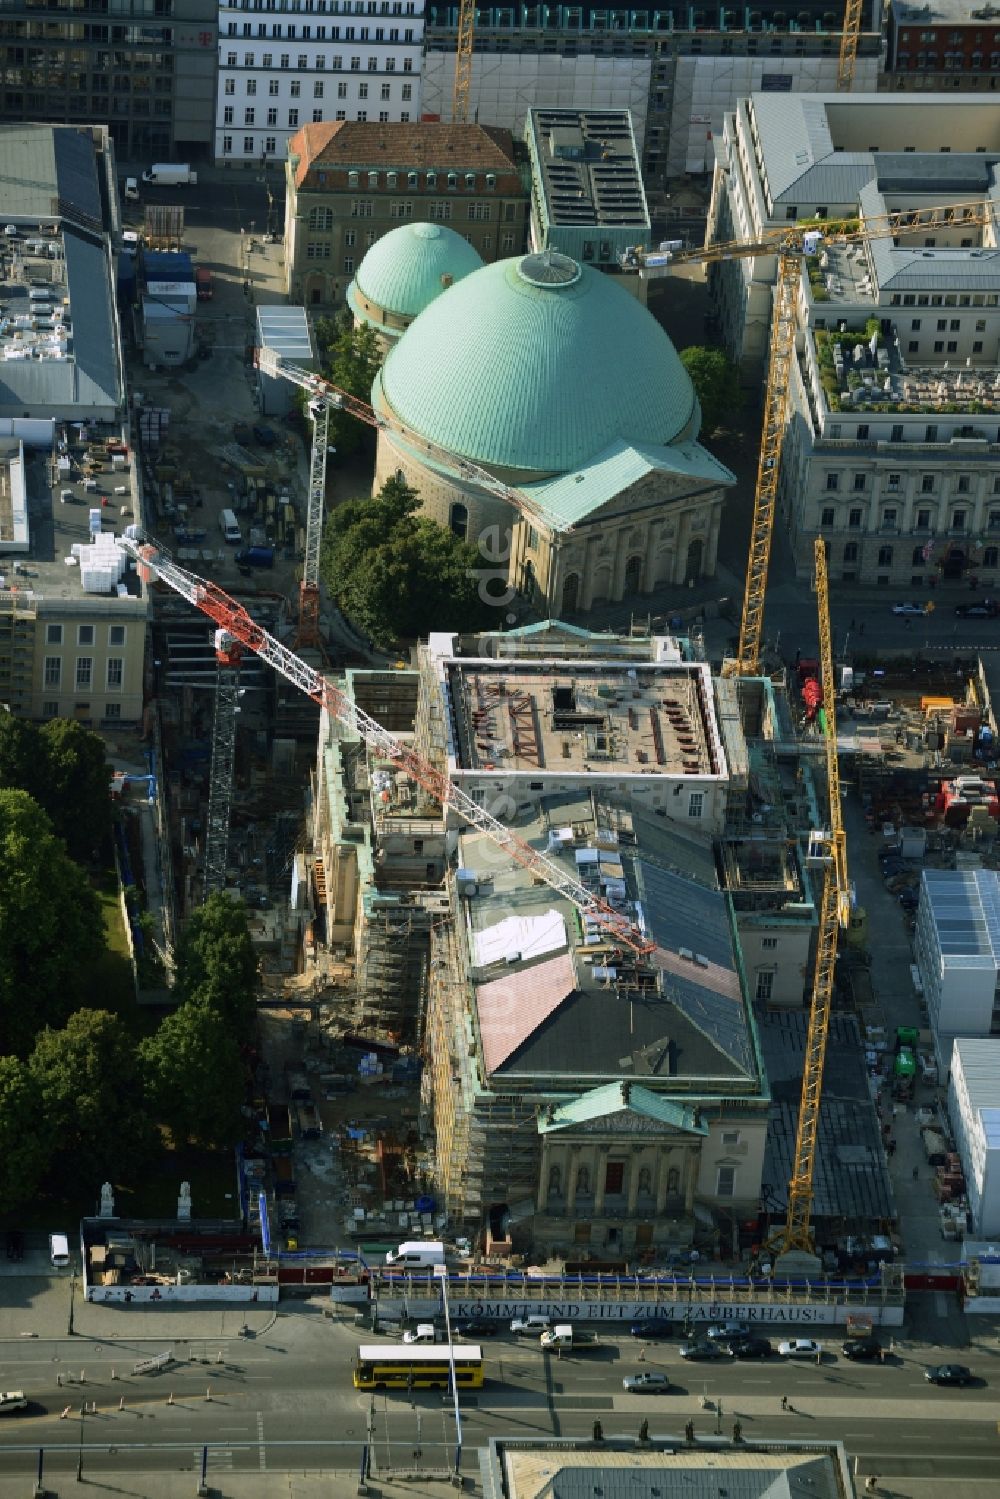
(403, 271)
(537, 364)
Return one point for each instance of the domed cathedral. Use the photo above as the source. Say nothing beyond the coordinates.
(562, 385)
(402, 274)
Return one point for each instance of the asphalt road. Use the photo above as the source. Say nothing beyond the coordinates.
(286, 1401)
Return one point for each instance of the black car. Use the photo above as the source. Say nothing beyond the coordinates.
(751, 1348)
(652, 1327)
(863, 1350)
(948, 1374)
(15, 1244)
(975, 611)
(478, 1327)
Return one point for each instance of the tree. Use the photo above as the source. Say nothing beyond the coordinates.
(50, 925)
(217, 966)
(717, 385)
(89, 1085)
(397, 574)
(77, 792)
(195, 1077)
(20, 755)
(25, 1136)
(352, 357)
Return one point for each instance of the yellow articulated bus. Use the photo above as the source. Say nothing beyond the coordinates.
(412, 1366)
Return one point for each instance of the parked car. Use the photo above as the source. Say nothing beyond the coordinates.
(721, 1332)
(703, 1350)
(646, 1384)
(985, 610)
(948, 1374)
(909, 608)
(15, 1244)
(800, 1348)
(652, 1327)
(531, 1326)
(863, 1350)
(751, 1348)
(478, 1327)
(12, 1400)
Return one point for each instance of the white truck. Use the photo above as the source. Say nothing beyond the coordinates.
(416, 1254)
(562, 1337)
(171, 174)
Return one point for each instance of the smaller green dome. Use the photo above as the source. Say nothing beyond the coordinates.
(406, 269)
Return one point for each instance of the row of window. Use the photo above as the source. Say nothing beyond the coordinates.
(292, 117)
(323, 33)
(84, 673)
(85, 635)
(923, 520)
(318, 63)
(449, 180)
(50, 709)
(253, 147)
(963, 483)
(918, 558)
(897, 431)
(318, 91)
(330, 7)
(323, 250)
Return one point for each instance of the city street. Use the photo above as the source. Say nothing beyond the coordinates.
(285, 1400)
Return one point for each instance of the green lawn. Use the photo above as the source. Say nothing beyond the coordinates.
(112, 985)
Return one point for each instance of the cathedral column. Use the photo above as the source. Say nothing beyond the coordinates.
(662, 1177)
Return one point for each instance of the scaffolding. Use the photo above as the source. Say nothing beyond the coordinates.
(220, 781)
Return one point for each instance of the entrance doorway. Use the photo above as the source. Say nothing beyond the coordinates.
(696, 551)
(633, 576)
(570, 595)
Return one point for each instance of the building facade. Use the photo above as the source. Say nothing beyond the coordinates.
(957, 951)
(974, 1111)
(144, 68)
(282, 68)
(347, 184)
(893, 445)
(676, 70)
(945, 45)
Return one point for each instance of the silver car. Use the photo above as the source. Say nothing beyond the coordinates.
(646, 1384)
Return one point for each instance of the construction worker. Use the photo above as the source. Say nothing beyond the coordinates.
(784, 1403)
(737, 1431)
(689, 1431)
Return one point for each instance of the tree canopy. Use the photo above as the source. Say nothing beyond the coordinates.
(25, 1137)
(217, 966)
(352, 357)
(90, 1089)
(194, 1076)
(398, 574)
(50, 925)
(64, 767)
(716, 382)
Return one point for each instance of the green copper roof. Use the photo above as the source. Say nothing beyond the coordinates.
(402, 271)
(570, 498)
(536, 364)
(614, 1098)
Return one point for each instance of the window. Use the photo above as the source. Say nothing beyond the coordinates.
(915, 325)
(506, 243)
(318, 89)
(295, 88)
(293, 118)
(227, 145)
(386, 91)
(248, 145)
(348, 265)
(885, 556)
(990, 555)
(827, 515)
(251, 87)
(859, 481)
(85, 634)
(248, 116)
(341, 90)
(227, 115)
(350, 239)
(272, 117)
(725, 1184)
(958, 520)
(320, 218)
(270, 145)
(851, 551)
(116, 635)
(923, 520)
(50, 710)
(116, 673)
(939, 346)
(363, 94)
(977, 347)
(53, 671)
(854, 519)
(913, 346)
(317, 116)
(953, 346)
(53, 635)
(942, 324)
(84, 672)
(439, 210)
(926, 483)
(695, 803)
(889, 517)
(955, 325)
(407, 92)
(964, 483)
(480, 212)
(994, 521)
(272, 87)
(833, 481)
(862, 437)
(230, 86)
(768, 944)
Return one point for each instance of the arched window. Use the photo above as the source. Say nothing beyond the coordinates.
(555, 1181)
(673, 1181)
(458, 520)
(645, 1180)
(583, 1181)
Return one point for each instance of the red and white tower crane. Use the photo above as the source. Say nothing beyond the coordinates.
(231, 618)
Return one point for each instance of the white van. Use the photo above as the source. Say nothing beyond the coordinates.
(230, 526)
(416, 1254)
(59, 1251)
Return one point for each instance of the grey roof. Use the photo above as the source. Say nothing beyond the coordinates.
(741, 1473)
(898, 268)
(979, 1060)
(286, 330)
(851, 1178)
(587, 167)
(964, 907)
(675, 848)
(49, 172)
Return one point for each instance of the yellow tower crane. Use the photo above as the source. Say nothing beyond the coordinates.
(827, 851)
(463, 61)
(849, 38)
(791, 245)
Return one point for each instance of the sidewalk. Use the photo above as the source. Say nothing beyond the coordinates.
(172, 1324)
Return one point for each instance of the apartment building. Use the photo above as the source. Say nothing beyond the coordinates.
(947, 44)
(143, 68)
(676, 70)
(893, 445)
(282, 66)
(72, 616)
(349, 182)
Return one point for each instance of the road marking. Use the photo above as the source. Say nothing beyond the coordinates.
(260, 1440)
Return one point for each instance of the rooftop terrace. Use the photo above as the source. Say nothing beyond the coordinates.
(588, 166)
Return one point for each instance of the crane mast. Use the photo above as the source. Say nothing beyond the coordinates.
(849, 37)
(232, 618)
(827, 851)
(307, 634)
(222, 764)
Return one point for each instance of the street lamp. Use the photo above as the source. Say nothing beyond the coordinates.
(441, 1271)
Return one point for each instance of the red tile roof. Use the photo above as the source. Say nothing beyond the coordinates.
(364, 145)
(513, 1007)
